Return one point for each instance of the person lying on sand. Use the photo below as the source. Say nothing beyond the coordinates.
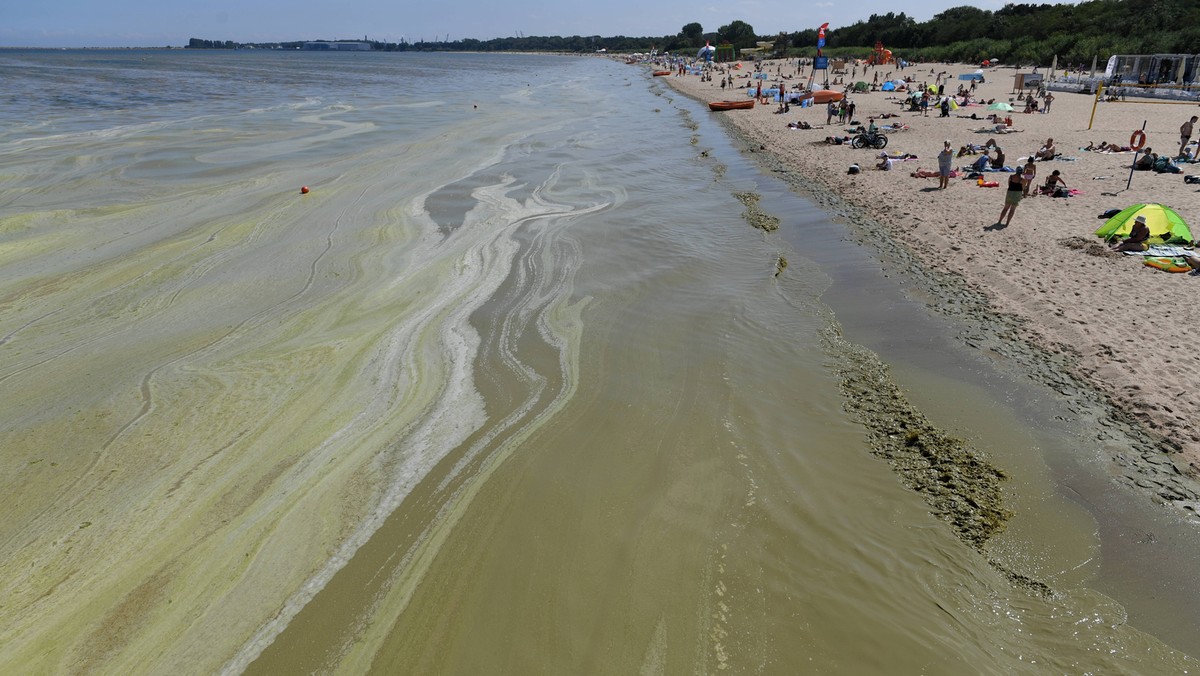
(931, 173)
(982, 163)
(1193, 262)
(799, 125)
(1106, 147)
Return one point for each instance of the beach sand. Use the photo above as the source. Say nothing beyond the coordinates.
(1103, 318)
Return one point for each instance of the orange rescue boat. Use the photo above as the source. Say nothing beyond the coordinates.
(731, 105)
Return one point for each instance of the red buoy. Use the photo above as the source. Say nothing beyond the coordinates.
(303, 190)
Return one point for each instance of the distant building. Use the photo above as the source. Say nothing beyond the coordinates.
(1178, 69)
(338, 46)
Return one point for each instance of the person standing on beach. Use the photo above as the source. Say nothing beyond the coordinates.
(1028, 173)
(830, 111)
(1046, 102)
(1012, 197)
(1185, 134)
(945, 159)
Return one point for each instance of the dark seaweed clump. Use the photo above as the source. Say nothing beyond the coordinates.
(961, 487)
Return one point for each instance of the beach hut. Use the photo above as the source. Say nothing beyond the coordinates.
(1163, 222)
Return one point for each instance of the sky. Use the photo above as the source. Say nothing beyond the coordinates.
(161, 23)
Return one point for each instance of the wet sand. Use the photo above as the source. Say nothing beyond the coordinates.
(1097, 323)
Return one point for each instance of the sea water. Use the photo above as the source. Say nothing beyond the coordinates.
(515, 387)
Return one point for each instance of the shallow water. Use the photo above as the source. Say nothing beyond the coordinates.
(514, 389)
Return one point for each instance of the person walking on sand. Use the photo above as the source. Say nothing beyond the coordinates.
(1012, 197)
(945, 160)
(1185, 134)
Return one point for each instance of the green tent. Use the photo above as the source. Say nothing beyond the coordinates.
(861, 86)
(1163, 222)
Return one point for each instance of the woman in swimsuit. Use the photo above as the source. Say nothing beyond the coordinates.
(1012, 197)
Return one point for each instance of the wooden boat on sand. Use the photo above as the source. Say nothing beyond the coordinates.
(659, 73)
(731, 105)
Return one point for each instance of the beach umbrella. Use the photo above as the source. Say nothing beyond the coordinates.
(1000, 105)
(1163, 222)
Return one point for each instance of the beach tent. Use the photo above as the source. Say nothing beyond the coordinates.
(888, 87)
(1163, 222)
(1000, 105)
(861, 86)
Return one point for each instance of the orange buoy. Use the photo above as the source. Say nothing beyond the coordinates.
(303, 190)
(1137, 140)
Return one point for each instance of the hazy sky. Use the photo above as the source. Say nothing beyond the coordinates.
(157, 23)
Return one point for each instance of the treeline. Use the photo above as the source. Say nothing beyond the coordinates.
(1028, 33)
(1023, 33)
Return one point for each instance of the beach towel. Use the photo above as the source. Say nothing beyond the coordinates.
(1163, 251)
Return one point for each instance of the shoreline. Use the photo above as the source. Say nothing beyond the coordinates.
(1150, 456)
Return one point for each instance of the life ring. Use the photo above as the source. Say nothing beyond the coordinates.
(1138, 140)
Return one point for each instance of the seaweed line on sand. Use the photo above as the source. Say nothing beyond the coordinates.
(1143, 461)
(957, 482)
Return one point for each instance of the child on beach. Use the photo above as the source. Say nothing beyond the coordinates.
(1028, 173)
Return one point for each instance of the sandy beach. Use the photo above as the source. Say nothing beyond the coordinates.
(1102, 317)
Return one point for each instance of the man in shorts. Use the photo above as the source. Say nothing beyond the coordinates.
(1185, 134)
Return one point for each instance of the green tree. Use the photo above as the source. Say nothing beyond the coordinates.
(739, 34)
(692, 33)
